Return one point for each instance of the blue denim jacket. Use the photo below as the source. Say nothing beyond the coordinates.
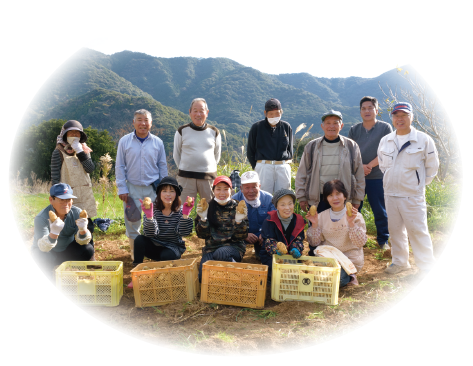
(256, 216)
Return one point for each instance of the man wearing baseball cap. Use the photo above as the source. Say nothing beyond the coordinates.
(258, 203)
(409, 160)
(269, 149)
(329, 157)
(66, 238)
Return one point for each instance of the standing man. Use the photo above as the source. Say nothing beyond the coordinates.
(367, 135)
(269, 149)
(409, 160)
(140, 165)
(329, 157)
(197, 148)
(258, 203)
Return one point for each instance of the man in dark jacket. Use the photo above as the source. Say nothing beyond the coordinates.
(269, 148)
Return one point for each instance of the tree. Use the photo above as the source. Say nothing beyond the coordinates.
(428, 118)
(33, 149)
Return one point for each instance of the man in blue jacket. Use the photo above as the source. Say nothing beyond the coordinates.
(258, 203)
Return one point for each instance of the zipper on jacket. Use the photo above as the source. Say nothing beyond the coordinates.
(418, 179)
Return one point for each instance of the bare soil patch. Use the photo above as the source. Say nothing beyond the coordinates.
(200, 327)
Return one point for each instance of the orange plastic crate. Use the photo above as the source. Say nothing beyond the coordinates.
(237, 285)
(159, 285)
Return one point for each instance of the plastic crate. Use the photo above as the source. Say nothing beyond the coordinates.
(91, 283)
(238, 286)
(296, 281)
(159, 285)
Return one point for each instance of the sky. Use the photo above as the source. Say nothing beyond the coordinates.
(272, 38)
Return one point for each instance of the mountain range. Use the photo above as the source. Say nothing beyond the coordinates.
(103, 91)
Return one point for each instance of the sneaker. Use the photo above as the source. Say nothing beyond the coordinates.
(394, 268)
(423, 273)
(385, 246)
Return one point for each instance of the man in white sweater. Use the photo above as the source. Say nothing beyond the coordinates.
(197, 148)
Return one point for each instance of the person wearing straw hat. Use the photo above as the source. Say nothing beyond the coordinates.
(270, 150)
(60, 234)
(258, 203)
(409, 160)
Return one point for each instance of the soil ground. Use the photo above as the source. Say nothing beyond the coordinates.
(200, 327)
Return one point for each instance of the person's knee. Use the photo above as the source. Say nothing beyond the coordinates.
(220, 254)
(169, 255)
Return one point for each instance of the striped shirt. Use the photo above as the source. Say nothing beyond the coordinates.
(56, 165)
(168, 230)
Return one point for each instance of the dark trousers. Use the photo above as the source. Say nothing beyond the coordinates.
(144, 246)
(90, 227)
(344, 277)
(375, 192)
(225, 254)
(73, 252)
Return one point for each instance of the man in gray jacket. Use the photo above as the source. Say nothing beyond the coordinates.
(330, 157)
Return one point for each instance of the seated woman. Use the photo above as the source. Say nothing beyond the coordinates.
(164, 225)
(222, 227)
(282, 225)
(336, 228)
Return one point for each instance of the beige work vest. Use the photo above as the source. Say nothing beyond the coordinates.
(73, 173)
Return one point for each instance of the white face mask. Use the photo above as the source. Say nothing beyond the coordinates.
(70, 140)
(273, 121)
(222, 202)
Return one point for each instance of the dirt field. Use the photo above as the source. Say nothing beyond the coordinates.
(200, 327)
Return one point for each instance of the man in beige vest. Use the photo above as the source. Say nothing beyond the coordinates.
(329, 157)
(71, 164)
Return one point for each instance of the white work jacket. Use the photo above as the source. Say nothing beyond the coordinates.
(409, 168)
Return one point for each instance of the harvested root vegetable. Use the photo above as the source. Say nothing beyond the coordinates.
(52, 216)
(312, 210)
(280, 261)
(203, 204)
(241, 207)
(145, 268)
(83, 214)
(281, 247)
(349, 207)
(189, 201)
(147, 203)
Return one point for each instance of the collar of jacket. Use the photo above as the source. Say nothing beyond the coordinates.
(320, 140)
(300, 223)
(412, 135)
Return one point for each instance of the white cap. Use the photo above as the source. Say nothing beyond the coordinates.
(249, 177)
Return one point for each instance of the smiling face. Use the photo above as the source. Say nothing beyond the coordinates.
(250, 190)
(336, 200)
(198, 113)
(61, 206)
(168, 195)
(368, 112)
(402, 122)
(142, 125)
(222, 191)
(331, 127)
(285, 206)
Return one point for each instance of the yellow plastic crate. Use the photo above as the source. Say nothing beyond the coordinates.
(91, 283)
(159, 285)
(295, 281)
(237, 286)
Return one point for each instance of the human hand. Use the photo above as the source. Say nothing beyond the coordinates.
(276, 251)
(295, 253)
(56, 226)
(147, 211)
(123, 197)
(314, 219)
(351, 219)
(76, 145)
(367, 169)
(82, 225)
(252, 238)
(187, 209)
(202, 210)
(304, 205)
(239, 217)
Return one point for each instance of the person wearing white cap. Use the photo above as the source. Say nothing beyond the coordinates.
(258, 203)
(409, 160)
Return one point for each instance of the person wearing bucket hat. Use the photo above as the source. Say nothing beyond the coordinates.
(71, 163)
(258, 203)
(60, 234)
(409, 160)
(269, 148)
(329, 157)
(165, 223)
(282, 225)
(221, 225)
(140, 165)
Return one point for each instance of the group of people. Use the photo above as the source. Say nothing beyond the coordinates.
(390, 168)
